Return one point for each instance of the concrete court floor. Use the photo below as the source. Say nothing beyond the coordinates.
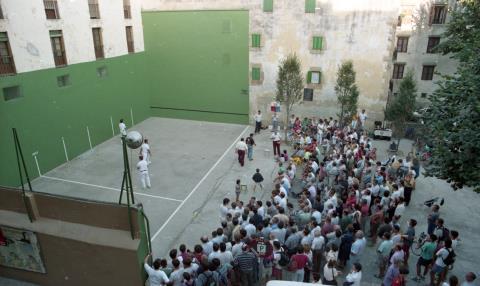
(194, 164)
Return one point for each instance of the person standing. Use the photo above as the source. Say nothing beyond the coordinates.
(355, 276)
(142, 168)
(241, 148)
(250, 143)
(258, 122)
(156, 276)
(257, 179)
(363, 118)
(275, 122)
(246, 263)
(145, 151)
(276, 143)
(123, 128)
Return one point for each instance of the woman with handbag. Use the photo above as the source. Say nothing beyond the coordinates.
(330, 273)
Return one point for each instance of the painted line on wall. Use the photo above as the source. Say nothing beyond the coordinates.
(89, 138)
(131, 115)
(108, 188)
(113, 130)
(198, 184)
(198, 110)
(65, 149)
(34, 154)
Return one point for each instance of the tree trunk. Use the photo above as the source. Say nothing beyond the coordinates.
(286, 124)
(341, 116)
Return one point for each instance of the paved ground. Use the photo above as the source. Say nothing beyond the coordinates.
(194, 167)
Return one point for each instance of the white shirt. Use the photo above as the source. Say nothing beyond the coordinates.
(123, 128)
(275, 137)
(283, 203)
(144, 149)
(329, 273)
(441, 255)
(237, 249)
(318, 243)
(155, 277)
(258, 117)
(241, 146)
(358, 246)
(363, 117)
(142, 166)
(354, 277)
(250, 229)
(400, 209)
(223, 211)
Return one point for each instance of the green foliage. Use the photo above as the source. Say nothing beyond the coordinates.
(347, 92)
(289, 84)
(401, 108)
(454, 114)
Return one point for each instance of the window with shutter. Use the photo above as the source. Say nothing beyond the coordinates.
(317, 43)
(267, 5)
(310, 6)
(255, 73)
(256, 40)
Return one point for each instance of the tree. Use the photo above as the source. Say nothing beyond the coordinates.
(454, 113)
(401, 108)
(289, 84)
(347, 92)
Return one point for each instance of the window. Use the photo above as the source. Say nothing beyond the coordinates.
(256, 40)
(308, 94)
(438, 14)
(98, 43)
(51, 9)
(399, 21)
(58, 48)
(7, 66)
(130, 44)
(313, 77)
(102, 72)
(398, 71)
(423, 95)
(310, 6)
(317, 43)
(256, 73)
(427, 72)
(432, 43)
(63, 80)
(94, 10)
(127, 13)
(267, 5)
(11, 92)
(402, 44)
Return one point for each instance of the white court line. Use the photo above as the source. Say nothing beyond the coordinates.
(198, 185)
(108, 188)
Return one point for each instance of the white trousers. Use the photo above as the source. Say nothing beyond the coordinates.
(145, 179)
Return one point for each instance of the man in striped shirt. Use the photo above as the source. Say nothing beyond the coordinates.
(246, 263)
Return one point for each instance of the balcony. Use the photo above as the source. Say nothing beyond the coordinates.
(94, 11)
(131, 48)
(99, 52)
(7, 67)
(127, 12)
(51, 9)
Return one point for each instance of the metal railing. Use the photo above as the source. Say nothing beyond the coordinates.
(131, 47)
(51, 9)
(127, 12)
(94, 11)
(99, 52)
(7, 65)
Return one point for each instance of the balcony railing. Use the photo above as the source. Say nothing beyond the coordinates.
(127, 12)
(131, 47)
(60, 59)
(6, 65)
(99, 52)
(94, 11)
(51, 9)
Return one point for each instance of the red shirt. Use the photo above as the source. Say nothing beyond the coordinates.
(301, 260)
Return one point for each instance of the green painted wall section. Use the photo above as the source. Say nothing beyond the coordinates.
(198, 64)
(46, 113)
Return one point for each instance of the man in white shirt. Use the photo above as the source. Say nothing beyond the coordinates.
(145, 151)
(357, 247)
(156, 277)
(354, 278)
(241, 148)
(142, 168)
(276, 143)
(123, 128)
(258, 121)
(363, 117)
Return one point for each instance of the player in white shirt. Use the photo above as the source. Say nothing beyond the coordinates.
(145, 151)
(142, 168)
(258, 121)
(363, 117)
(123, 128)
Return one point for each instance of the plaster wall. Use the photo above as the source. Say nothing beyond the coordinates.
(362, 31)
(28, 31)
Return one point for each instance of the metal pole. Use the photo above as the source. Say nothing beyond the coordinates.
(19, 154)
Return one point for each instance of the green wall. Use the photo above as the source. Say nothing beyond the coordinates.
(198, 64)
(47, 112)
